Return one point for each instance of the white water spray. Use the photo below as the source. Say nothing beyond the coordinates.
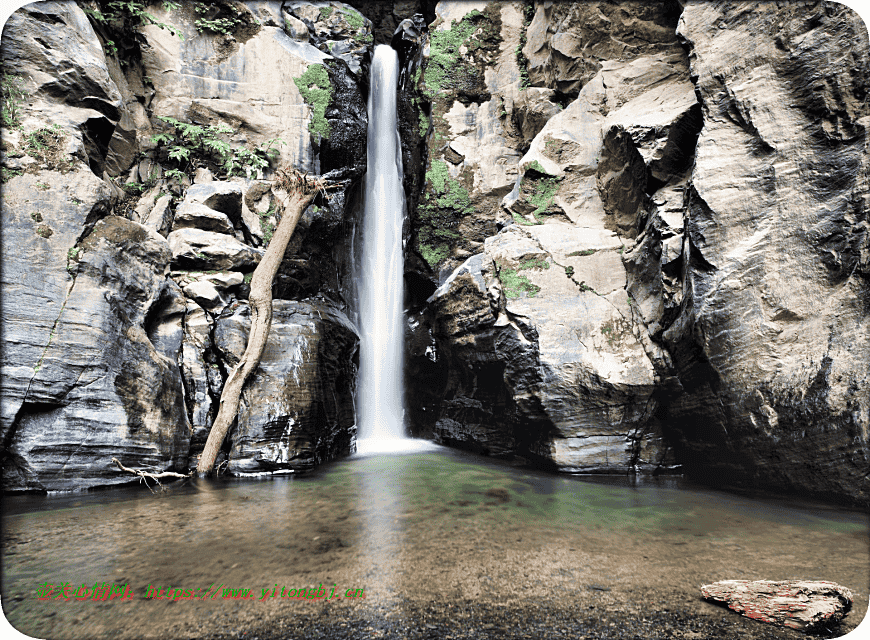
(379, 281)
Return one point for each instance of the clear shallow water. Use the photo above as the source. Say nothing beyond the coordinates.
(419, 527)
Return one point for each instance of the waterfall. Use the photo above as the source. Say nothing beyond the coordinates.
(379, 280)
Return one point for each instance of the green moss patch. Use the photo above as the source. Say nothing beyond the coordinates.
(515, 284)
(316, 90)
(439, 212)
(479, 32)
(539, 189)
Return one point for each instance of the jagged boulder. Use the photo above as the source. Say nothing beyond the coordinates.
(297, 410)
(568, 42)
(198, 249)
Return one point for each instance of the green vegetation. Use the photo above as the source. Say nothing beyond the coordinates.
(354, 18)
(123, 16)
(569, 271)
(424, 124)
(219, 17)
(540, 192)
(445, 70)
(42, 186)
(44, 231)
(48, 146)
(12, 96)
(539, 264)
(190, 146)
(316, 90)
(36, 216)
(72, 257)
(266, 226)
(584, 252)
(439, 215)
(522, 61)
(6, 174)
(515, 284)
(325, 12)
(247, 280)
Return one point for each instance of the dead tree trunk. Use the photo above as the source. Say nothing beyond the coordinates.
(296, 193)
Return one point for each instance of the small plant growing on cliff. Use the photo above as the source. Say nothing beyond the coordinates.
(354, 18)
(48, 146)
(217, 17)
(125, 15)
(316, 90)
(515, 284)
(12, 93)
(191, 146)
(438, 215)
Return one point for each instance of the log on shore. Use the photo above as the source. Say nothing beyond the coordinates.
(797, 604)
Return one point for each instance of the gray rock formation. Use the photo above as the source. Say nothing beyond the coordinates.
(772, 343)
(684, 251)
(297, 411)
(39, 40)
(97, 377)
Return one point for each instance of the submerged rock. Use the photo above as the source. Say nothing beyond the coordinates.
(797, 604)
(297, 410)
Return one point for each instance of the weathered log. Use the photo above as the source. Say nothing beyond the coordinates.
(295, 191)
(798, 604)
(144, 475)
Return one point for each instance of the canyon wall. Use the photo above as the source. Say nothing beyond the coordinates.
(637, 235)
(646, 228)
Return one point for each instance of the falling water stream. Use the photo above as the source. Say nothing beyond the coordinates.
(379, 281)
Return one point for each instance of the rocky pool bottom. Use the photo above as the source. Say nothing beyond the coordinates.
(444, 545)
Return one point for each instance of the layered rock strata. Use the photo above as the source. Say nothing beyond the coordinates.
(116, 304)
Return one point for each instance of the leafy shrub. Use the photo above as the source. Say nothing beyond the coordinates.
(217, 18)
(48, 146)
(190, 146)
(125, 15)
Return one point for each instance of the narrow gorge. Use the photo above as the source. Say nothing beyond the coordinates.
(636, 236)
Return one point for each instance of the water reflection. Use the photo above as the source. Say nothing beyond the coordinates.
(440, 526)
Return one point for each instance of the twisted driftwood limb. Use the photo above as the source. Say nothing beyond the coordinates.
(798, 604)
(144, 475)
(295, 191)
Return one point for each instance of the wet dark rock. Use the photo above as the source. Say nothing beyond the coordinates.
(298, 411)
(348, 122)
(105, 382)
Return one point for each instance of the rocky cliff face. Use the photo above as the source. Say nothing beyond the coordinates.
(650, 244)
(637, 235)
(137, 202)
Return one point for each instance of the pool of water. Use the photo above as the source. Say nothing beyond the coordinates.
(438, 526)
